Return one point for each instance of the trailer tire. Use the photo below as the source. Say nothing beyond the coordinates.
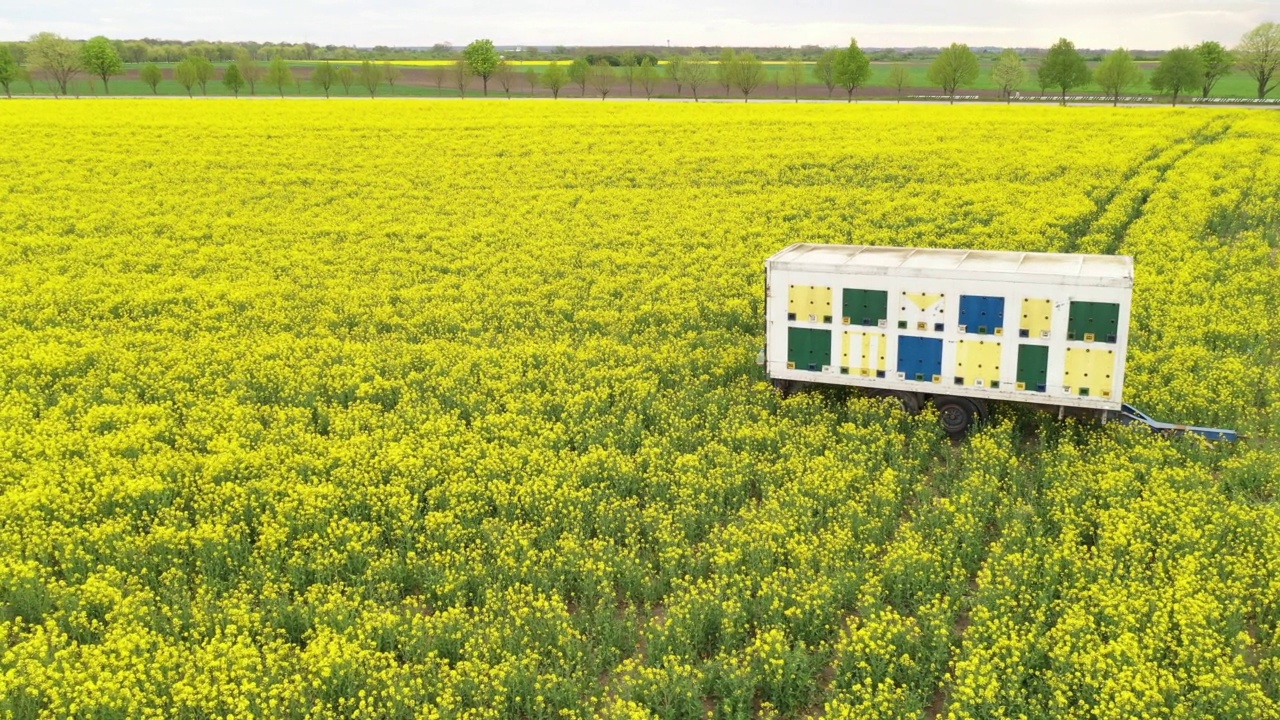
(956, 414)
(908, 401)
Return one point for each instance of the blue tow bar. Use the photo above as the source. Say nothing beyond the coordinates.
(1131, 414)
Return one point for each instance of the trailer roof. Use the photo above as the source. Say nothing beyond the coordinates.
(1055, 268)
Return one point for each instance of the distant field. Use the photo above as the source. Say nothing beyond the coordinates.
(418, 81)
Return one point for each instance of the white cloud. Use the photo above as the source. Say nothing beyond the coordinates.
(1147, 24)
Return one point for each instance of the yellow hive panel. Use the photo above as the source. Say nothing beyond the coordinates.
(1035, 317)
(921, 311)
(863, 353)
(1090, 368)
(978, 362)
(809, 303)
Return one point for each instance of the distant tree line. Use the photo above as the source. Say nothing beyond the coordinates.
(1062, 68)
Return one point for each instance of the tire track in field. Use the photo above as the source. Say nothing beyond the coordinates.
(1126, 202)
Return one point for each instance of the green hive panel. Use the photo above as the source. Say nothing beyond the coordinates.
(865, 307)
(808, 349)
(1033, 367)
(1093, 321)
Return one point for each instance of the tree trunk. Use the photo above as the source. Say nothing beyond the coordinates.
(485, 78)
(105, 89)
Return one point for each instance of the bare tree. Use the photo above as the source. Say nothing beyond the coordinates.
(899, 78)
(1258, 54)
(250, 70)
(601, 78)
(697, 72)
(324, 76)
(438, 73)
(792, 75)
(748, 73)
(1008, 73)
(370, 77)
(647, 75)
(391, 74)
(57, 57)
(825, 70)
(506, 76)
(460, 73)
(629, 66)
(346, 77)
(531, 77)
(676, 71)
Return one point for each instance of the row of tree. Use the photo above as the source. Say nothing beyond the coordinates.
(1180, 71)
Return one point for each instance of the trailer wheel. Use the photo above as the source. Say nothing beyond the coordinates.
(908, 401)
(956, 414)
(783, 387)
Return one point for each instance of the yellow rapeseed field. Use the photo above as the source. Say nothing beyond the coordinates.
(449, 409)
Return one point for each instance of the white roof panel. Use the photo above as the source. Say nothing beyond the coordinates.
(1055, 268)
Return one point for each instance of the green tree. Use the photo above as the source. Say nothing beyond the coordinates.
(956, 65)
(1258, 55)
(324, 76)
(370, 77)
(676, 71)
(391, 74)
(1117, 71)
(793, 76)
(346, 77)
(696, 72)
(853, 67)
(279, 74)
(151, 75)
(647, 76)
(748, 73)
(554, 78)
(1063, 68)
(8, 70)
(727, 69)
(899, 78)
(100, 58)
(531, 77)
(1217, 62)
(482, 59)
(601, 78)
(579, 73)
(1008, 72)
(1179, 70)
(461, 74)
(232, 80)
(250, 70)
(185, 73)
(204, 72)
(57, 57)
(825, 70)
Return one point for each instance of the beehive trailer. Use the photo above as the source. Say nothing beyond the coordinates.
(956, 328)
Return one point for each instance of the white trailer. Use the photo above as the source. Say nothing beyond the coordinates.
(955, 327)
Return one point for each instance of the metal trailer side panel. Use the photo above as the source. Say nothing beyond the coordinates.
(930, 308)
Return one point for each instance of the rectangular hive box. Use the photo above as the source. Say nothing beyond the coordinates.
(1026, 327)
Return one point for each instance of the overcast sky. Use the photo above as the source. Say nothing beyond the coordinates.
(1136, 24)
